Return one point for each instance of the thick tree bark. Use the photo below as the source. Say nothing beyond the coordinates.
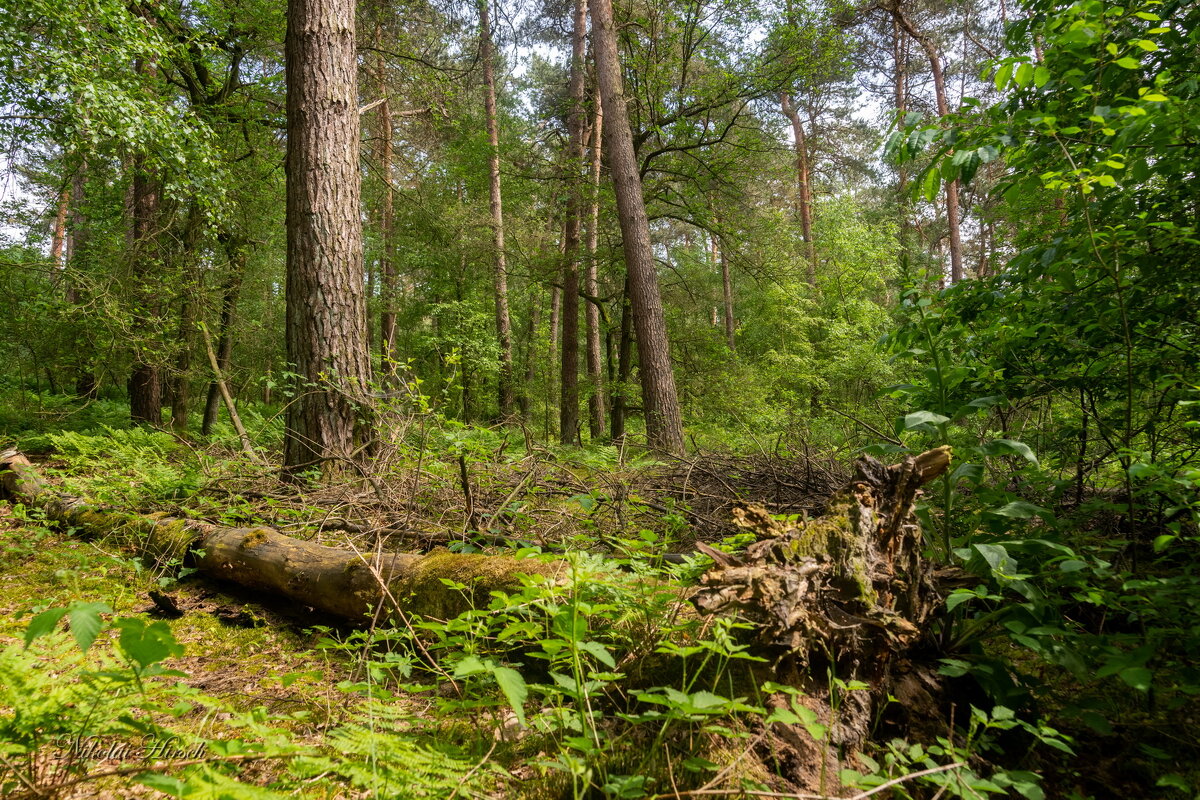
(803, 190)
(664, 425)
(505, 388)
(326, 308)
(943, 107)
(568, 417)
(595, 366)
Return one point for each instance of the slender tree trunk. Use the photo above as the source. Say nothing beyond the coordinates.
(552, 371)
(943, 106)
(568, 417)
(624, 365)
(727, 289)
(236, 250)
(326, 309)
(900, 59)
(145, 386)
(803, 191)
(387, 261)
(189, 270)
(595, 364)
(535, 319)
(664, 426)
(506, 390)
(58, 240)
(85, 376)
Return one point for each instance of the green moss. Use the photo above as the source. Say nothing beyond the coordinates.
(255, 537)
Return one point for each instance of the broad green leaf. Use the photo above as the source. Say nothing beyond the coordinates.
(43, 624)
(1128, 62)
(147, 644)
(998, 447)
(930, 184)
(86, 623)
(1137, 677)
(919, 418)
(514, 688)
(1019, 509)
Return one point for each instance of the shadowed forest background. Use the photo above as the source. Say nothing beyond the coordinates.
(605, 317)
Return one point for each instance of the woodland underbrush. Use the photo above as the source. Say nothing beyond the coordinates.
(1055, 645)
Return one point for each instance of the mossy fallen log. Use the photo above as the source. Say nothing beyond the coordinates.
(340, 582)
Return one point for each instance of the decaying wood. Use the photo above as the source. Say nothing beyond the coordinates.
(335, 581)
(843, 596)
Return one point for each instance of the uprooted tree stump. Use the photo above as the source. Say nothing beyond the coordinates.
(837, 603)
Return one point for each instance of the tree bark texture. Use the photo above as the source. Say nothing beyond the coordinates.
(386, 211)
(505, 389)
(568, 418)
(326, 324)
(804, 204)
(943, 107)
(591, 285)
(727, 293)
(660, 401)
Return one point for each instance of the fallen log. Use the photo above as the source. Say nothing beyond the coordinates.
(838, 603)
(340, 582)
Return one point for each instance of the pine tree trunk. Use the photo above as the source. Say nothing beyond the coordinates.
(727, 291)
(326, 307)
(595, 365)
(943, 106)
(506, 390)
(624, 366)
(387, 261)
(58, 239)
(664, 426)
(803, 190)
(568, 418)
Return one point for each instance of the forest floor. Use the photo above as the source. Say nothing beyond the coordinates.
(284, 703)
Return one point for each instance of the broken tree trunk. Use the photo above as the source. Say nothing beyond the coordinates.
(838, 601)
(344, 583)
